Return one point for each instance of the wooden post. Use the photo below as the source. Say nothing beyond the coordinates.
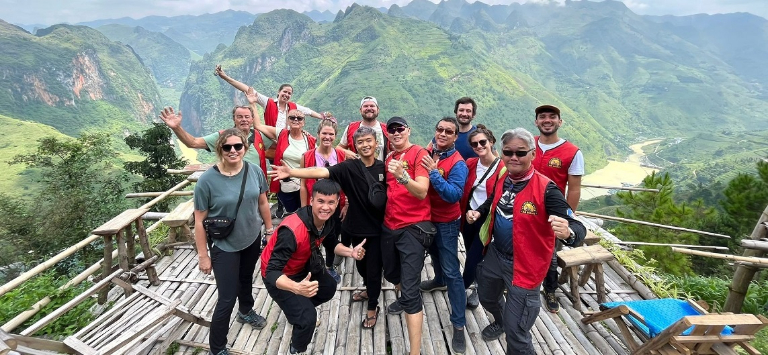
(106, 267)
(744, 274)
(122, 252)
(130, 245)
(144, 242)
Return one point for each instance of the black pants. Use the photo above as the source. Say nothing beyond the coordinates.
(300, 311)
(550, 281)
(234, 277)
(329, 254)
(370, 267)
(403, 258)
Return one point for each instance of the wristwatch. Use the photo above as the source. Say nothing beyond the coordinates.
(403, 179)
(571, 237)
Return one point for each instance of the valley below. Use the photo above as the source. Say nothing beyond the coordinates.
(628, 172)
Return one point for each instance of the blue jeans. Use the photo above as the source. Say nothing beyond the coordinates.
(444, 252)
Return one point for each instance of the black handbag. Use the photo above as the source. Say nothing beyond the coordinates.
(424, 232)
(221, 227)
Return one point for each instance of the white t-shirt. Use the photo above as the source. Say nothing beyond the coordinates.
(577, 164)
(379, 139)
(280, 123)
(480, 194)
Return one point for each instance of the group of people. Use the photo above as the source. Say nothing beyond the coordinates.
(386, 202)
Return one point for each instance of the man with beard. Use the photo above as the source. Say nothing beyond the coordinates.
(369, 110)
(243, 118)
(562, 162)
(465, 110)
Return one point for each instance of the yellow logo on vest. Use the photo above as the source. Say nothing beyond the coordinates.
(261, 145)
(441, 171)
(555, 163)
(405, 165)
(528, 208)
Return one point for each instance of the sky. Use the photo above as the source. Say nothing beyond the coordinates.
(48, 12)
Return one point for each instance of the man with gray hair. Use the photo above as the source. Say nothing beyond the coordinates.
(526, 213)
(369, 110)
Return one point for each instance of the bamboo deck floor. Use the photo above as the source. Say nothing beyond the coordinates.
(339, 330)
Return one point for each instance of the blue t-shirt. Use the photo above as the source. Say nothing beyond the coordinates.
(462, 144)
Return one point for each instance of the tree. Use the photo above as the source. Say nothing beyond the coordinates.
(745, 199)
(153, 143)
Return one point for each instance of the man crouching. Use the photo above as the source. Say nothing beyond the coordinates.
(293, 268)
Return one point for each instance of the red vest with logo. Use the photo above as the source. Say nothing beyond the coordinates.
(258, 144)
(298, 260)
(351, 134)
(271, 111)
(489, 181)
(555, 162)
(404, 209)
(310, 162)
(282, 145)
(443, 211)
(533, 240)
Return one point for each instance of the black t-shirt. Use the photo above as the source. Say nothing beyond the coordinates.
(362, 218)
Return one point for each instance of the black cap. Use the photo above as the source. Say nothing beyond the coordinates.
(547, 108)
(397, 121)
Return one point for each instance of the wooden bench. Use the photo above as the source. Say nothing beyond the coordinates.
(592, 257)
(179, 220)
(121, 227)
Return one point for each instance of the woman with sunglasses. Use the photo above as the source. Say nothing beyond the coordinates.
(234, 257)
(483, 174)
(525, 215)
(292, 143)
(325, 155)
(275, 109)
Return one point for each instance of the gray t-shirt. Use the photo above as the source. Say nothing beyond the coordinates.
(218, 194)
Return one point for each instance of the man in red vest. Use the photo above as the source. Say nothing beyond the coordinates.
(562, 162)
(293, 268)
(369, 110)
(526, 214)
(447, 176)
(243, 119)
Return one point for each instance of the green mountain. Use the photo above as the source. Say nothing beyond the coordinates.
(73, 78)
(167, 59)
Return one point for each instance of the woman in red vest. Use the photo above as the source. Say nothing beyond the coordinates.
(292, 143)
(483, 173)
(275, 109)
(525, 214)
(325, 155)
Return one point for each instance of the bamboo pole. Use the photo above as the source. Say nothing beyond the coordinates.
(748, 259)
(680, 229)
(674, 245)
(620, 188)
(156, 194)
(179, 171)
(162, 196)
(744, 274)
(755, 244)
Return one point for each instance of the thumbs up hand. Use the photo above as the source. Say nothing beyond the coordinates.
(395, 166)
(358, 252)
(307, 288)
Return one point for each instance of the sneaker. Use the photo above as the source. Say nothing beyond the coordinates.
(279, 211)
(294, 351)
(395, 308)
(431, 285)
(493, 331)
(473, 300)
(458, 343)
(551, 302)
(334, 274)
(223, 352)
(252, 318)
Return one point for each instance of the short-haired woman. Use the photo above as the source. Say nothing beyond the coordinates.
(232, 258)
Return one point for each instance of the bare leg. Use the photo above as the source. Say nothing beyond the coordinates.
(414, 322)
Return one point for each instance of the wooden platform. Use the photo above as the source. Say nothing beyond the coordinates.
(339, 330)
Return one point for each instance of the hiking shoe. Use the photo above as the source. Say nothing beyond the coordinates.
(493, 331)
(334, 274)
(252, 318)
(293, 350)
(551, 302)
(223, 352)
(395, 308)
(458, 343)
(431, 285)
(473, 300)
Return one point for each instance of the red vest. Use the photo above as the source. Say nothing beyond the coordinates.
(404, 209)
(443, 211)
(298, 260)
(555, 162)
(310, 162)
(258, 144)
(351, 134)
(271, 112)
(533, 240)
(282, 145)
(489, 181)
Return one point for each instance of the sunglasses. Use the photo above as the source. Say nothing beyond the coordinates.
(296, 118)
(228, 147)
(519, 153)
(397, 129)
(480, 143)
(447, 131)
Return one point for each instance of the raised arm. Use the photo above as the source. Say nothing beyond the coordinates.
(253, 97)
(238, 85)
(173, 121)
(280, 172)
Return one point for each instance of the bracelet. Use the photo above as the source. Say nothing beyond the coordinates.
(403, 179)
(270, 231)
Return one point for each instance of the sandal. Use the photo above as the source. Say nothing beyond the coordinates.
(373, 318)
(360, 296)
